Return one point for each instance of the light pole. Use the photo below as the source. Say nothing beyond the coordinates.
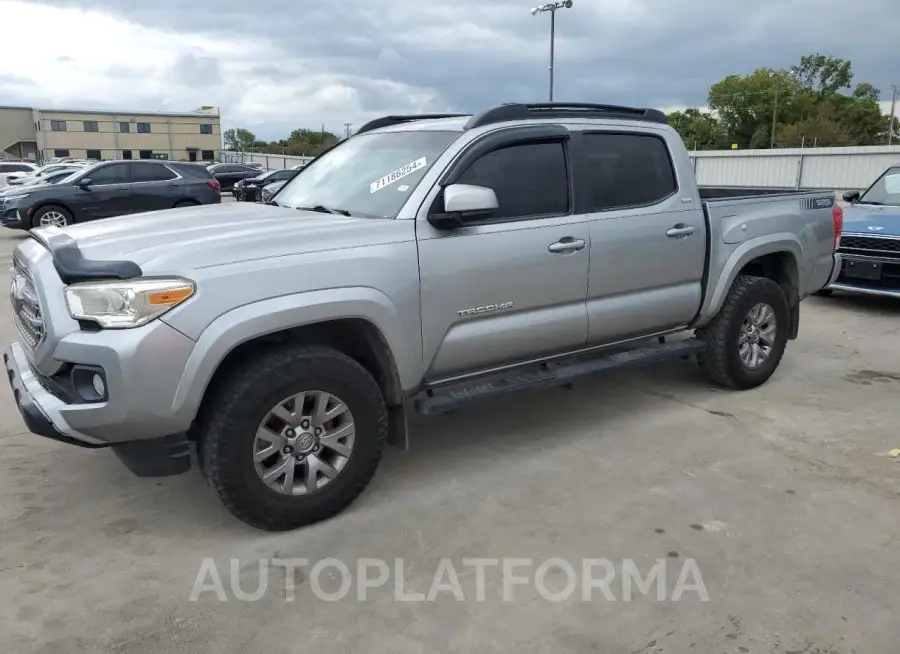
(552, 7)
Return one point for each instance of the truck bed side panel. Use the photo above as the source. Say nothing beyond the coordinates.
(744, 229)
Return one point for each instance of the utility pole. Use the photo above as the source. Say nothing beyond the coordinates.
(347, 127)
(893, 108)
(552, 7)
(774, 119)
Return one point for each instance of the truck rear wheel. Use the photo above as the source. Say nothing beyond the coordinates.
(746, 340)
(293, 436)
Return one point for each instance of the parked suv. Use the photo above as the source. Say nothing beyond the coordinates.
(424, 263)
(229, 173)
(249, 190)
(109, 189)
(13, 169)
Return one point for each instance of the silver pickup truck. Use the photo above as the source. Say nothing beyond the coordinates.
(425, 263)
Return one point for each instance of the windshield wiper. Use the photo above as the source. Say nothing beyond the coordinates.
(323, 209)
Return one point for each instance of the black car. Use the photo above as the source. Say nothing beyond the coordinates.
(248, 190)
(108, 189)
(229, 173)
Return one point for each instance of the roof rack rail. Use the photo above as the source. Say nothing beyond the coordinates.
(387, 121)
(519, 111)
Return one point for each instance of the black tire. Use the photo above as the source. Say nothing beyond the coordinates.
(825, 292)
(40, 213)
(186, 203)
(721, 362)
(241, 403)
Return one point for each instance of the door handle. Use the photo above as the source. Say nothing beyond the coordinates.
(680, 230)
(567, 245)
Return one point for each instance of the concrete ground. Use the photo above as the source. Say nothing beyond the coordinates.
(784, 497)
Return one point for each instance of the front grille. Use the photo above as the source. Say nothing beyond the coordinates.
(871, 245)
(26, 309)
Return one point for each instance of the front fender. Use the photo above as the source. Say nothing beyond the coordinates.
(277, 314)
(722, 274)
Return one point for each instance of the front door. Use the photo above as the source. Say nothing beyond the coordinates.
(107, 195)
(648, 238)
(505, 290)
(192, 155)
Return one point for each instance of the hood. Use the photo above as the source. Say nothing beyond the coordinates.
(872, 220)
(176, 241)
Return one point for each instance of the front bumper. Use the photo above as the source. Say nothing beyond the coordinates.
(40, 409)
(885, 284)
(43, 415)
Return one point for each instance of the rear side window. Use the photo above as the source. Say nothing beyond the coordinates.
(628, 170)
(530, 179)
(150, 173)
(193, 171)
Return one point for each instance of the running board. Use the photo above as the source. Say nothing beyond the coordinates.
(452, 397)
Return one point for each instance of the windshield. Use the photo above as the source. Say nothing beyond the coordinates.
(369, 175)
(886, 190)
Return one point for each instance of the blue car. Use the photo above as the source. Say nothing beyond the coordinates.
(870, 240)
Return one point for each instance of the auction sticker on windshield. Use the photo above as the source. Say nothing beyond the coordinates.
(400, 173)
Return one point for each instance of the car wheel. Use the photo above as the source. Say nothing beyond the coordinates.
(293, 436)
(825, 292)
(746, 340)
(52, 215)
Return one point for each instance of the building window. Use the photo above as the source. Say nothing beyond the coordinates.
(145, 154)
(126, 154)
(206, 129)
(57, 125)
(143, 128)
(60, 153)
(93, 154)
(207, 155)
(91, 126)
(124, 128)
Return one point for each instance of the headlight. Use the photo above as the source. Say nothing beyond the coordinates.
(127, 303)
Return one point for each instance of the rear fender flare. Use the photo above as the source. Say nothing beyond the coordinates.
(744, 254)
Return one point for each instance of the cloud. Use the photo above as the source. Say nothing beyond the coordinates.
(280, 64)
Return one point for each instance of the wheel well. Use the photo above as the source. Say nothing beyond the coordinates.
(51, 203)
(781, 268)
(357, 338)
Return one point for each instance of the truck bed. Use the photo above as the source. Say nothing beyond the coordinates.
(741, 192)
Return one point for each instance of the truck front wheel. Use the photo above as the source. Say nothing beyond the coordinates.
(293, 436)
(746, 340)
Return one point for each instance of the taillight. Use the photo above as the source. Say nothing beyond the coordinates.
(214, 185)
(837, 216)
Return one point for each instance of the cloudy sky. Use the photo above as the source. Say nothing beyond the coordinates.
(274, 65)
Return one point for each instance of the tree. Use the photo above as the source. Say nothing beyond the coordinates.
(812, 102)
(239, 139)
(699, 130)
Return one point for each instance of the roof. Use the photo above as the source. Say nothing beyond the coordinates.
(116, 112)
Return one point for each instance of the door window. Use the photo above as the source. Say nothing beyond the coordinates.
(530, 179)
(150, 173)
(628, 170)
(111, 174)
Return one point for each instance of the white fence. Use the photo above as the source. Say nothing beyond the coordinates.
(269, 161)
(816, 168)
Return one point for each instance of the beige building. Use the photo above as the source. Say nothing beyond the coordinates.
(43, 134)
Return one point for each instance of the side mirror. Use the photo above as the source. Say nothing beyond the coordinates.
(84, 182)
(462, 203)
(851, 196)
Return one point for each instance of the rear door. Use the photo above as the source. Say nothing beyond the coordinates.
(154, 186)
(108, 193)
(506, 289)
(647, 234)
